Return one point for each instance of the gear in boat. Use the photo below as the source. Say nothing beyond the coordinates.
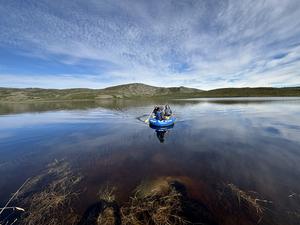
(162, 117)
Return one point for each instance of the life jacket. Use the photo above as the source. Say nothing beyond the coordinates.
(158, 115)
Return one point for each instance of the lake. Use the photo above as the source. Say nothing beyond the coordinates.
(250, 144)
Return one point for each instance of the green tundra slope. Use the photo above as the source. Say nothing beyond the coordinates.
(252, 92)
(135, 90)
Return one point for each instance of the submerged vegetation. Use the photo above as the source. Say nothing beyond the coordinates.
(53, 197)
(49, 197)
(135, 91)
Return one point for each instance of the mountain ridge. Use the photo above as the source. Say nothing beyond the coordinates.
(137, 90)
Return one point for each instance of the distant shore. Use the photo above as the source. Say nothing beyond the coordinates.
(136, 91)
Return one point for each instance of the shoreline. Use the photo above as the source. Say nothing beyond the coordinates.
(155, 98)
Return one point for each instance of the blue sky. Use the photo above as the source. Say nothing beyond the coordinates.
(196, 43)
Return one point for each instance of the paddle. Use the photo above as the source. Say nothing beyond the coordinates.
(147, 120)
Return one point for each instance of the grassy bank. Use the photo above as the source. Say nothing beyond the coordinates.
(130, 91)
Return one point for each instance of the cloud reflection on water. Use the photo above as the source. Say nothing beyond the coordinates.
(254, 145)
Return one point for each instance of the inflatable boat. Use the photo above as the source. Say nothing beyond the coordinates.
(162, 123)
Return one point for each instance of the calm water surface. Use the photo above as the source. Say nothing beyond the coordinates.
(252, 143)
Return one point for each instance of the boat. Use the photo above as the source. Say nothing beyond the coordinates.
(162, 123)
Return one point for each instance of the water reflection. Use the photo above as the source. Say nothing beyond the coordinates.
(162, 132)
(252, 144)
(126, 104)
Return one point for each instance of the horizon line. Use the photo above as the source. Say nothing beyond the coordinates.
(123, 84)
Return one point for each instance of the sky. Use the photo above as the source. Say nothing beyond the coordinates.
(204, 44)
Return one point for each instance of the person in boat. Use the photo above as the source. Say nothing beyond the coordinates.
(158, 113)
(167, 111)
(156, 108)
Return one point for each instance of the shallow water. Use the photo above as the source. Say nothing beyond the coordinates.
(253, 143)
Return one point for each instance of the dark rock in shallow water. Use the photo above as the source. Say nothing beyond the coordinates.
(101, 213)
(91, 214)
(166, 205)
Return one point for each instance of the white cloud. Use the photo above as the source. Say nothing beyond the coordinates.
(59, 81)
(205, 44)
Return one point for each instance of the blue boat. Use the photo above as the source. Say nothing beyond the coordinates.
(162, 123)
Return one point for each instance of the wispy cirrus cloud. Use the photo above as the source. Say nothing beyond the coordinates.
(205, 44)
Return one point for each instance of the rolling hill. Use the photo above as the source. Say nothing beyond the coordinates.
(135, 90)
